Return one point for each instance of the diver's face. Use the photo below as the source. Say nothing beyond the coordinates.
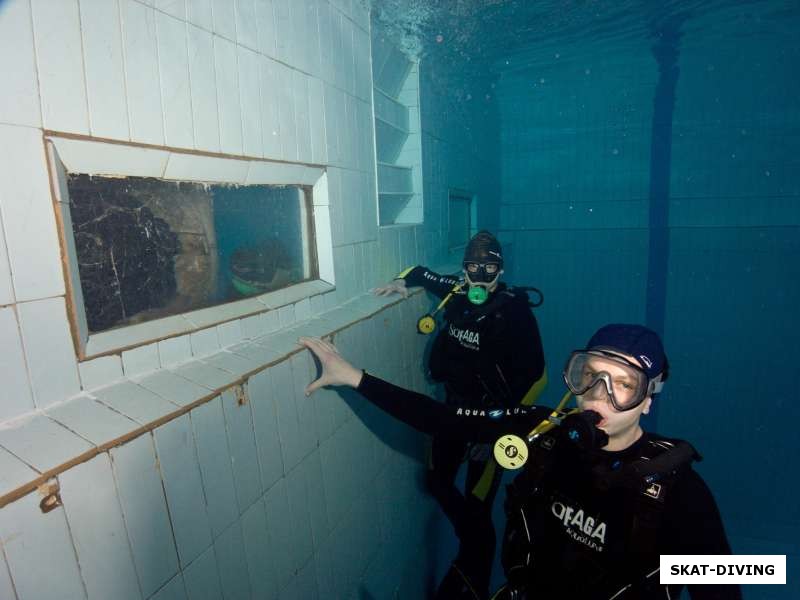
(479, 273)
(622, 427)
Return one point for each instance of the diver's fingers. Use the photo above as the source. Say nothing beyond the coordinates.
(314, 386)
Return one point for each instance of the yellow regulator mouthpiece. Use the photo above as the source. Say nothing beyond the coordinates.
(511, 452)
(426, 324)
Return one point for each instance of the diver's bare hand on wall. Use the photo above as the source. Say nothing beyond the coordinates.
(335, 369)
(398, 286)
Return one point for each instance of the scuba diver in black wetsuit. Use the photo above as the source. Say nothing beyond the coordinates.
(597, 500)
(488, 355)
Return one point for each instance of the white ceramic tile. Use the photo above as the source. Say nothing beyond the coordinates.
(269, 98)
(205, 342)
(13, 370)
(258, 548)
(272, 321)
(265, 424)
(205, 375)
(140, 360)
(302, 374)
(19, 103)
(300, 96)
(230, 108)
(286, 411)
(201, 577)
(230, 310)
(230, 333)
(279, 524)
(286, 315)
(175, 8)
(133, 335)
(49, 350)
(302, 310)
(338, 48)
(28, 219)
(170, 386)
(98, 158)
(325, 41)
(105, 74)
(247, 24)
(299, 40)
(242, 444)
(249, 73)
(316, 120)
(6, 586)
(174, 350)
(180, 470)
(283, 31)
(224, 13)
(42, 443)
(141, 72)
(312, 37)
(100, 371)
(172, 590)
(322, 227)
(173, 68)
(208, 423)
(145, 510)
(6, 285)
(204, 89)
(262, 172)
(234, 364)
(286, 111)
(135, 402)
(253, 326)
(29, 536)
(334, 114)
(98, 531)
(59, 58)
(256, 353)
(187, 167)
(91, 420)
(13, 474)
(232, 563)
(265, 21)
(199, 12)
(303, 545)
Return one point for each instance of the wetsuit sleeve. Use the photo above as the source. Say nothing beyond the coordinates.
(694, 526)
(448, 422)
(439, 285)
(523, 356)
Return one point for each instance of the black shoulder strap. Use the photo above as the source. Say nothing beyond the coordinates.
(650, 478)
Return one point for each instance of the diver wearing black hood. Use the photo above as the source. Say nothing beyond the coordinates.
(488, 355)
(597, 500)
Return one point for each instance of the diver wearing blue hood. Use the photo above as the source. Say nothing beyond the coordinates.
(597, 500)
(488, 354)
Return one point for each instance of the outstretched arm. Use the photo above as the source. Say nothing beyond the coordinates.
(439, 285)
(417, 410)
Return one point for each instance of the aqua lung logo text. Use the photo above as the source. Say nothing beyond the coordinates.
(581, 528)
(494, 414)
(439, 279)
(467, 338)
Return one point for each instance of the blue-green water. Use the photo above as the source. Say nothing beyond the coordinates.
(648, 158)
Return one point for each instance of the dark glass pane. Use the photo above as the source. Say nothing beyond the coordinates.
(149, 248)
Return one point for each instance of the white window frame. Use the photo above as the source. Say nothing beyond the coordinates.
(112, 159)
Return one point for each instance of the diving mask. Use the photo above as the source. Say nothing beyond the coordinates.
(599, 373)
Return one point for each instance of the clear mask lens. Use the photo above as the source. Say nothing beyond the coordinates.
(598, 375)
